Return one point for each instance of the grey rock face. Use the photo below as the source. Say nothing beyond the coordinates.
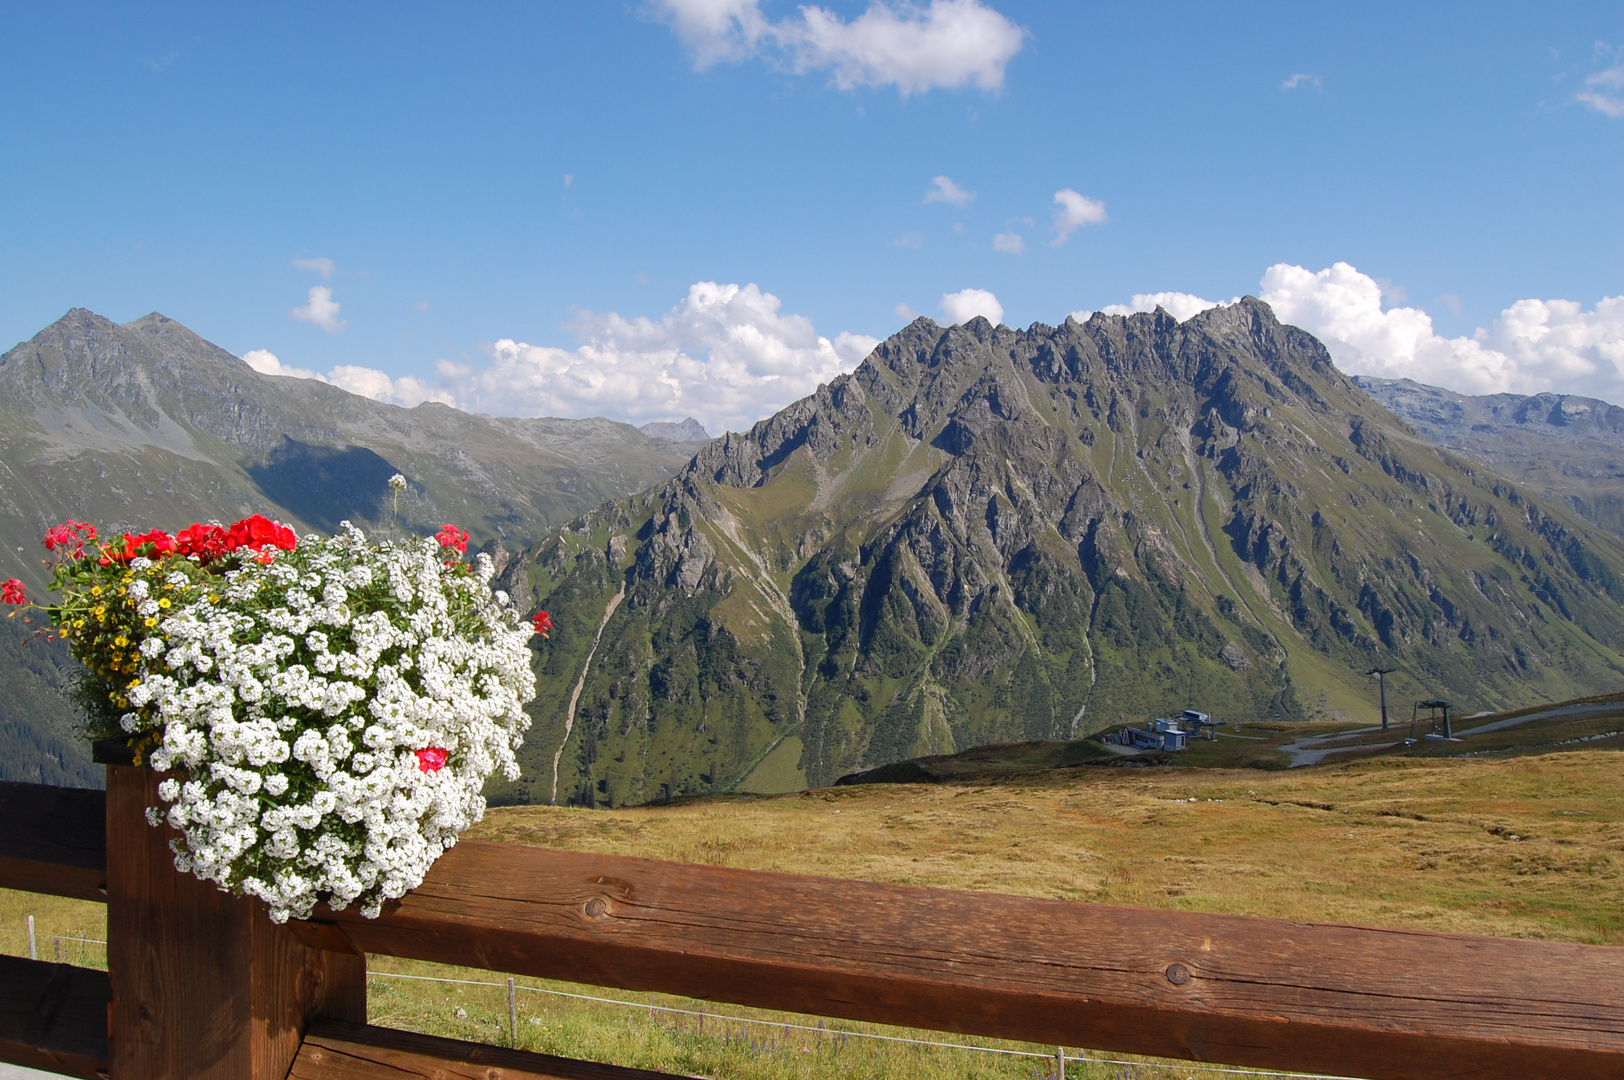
(689, 430)
(148, 425)
(989, 535)
(1569, 450)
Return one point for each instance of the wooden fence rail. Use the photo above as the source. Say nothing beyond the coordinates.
(1217, 988)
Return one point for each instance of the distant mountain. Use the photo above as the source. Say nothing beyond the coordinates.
(689, 430)
(1567, 449)
(147, 424)
(989, 535)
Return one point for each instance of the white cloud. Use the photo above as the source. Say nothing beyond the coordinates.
(324, 267)
(322, 310)
(966, 304)
(911, 240)
(716, 30)
(265, 362)
(407, 391)
(1180, 305)
(1343, 308)
(916, 48)
(724, 355)
(949, 43)
(1302, 78)
(1075, 211)
(367, 382)
(905, 313)
(1604, 92)
(1533, 347)
(1010, 242)
(943, 189)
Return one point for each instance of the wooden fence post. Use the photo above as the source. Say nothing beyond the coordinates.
(204, 984)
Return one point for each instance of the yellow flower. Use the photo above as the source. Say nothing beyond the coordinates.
(95, 590)
(100, 611)
(151, 623)
(163, 603)
(121, 641)
(78, 624)
(133, 684)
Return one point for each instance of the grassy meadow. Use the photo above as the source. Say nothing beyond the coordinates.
(1521, 847)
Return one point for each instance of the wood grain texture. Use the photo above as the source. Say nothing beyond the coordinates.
(339, 1051)
(53, 840)
(204, 984)
(1245, 991)
(53, 1017)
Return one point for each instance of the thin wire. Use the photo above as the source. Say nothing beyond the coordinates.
(720, 1016)
(842, 1031)
(62, 937)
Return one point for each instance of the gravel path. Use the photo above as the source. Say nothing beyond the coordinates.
(1311, 750)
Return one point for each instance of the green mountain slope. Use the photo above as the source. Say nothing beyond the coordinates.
(988, 535)
(146, 424)
(1566, 449)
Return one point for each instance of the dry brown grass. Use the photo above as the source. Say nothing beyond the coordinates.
(1529, 847)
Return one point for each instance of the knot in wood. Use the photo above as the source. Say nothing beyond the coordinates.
(597, 907)
(1177, 974)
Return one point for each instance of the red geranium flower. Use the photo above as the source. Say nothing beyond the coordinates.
(11, 592)
(258, 532)
(543, 622)
(452, 537)
(72, 534)
(207, 542)
(431, 759)
(153, 545)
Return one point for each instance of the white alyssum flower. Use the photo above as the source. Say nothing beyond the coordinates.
(295, 697)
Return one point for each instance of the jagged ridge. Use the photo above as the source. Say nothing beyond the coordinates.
(985, 534)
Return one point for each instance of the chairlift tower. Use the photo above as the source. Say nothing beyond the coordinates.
(1434, 709)
(1381, 674)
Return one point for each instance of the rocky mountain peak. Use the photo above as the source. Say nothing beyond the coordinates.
(149, 425)
(989, 534)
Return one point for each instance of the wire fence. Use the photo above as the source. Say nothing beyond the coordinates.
(1062, 1055)
(1079, 1056)
(36, 944)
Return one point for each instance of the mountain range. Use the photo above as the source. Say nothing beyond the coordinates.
(146, 424)
(985, 534)
(980, 535)
(1567, 449)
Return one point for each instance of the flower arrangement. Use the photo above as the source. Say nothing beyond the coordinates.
(332, 707)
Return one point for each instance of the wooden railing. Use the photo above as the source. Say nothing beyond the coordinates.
(201, 984)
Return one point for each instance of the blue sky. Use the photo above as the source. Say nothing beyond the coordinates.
(516, 208)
